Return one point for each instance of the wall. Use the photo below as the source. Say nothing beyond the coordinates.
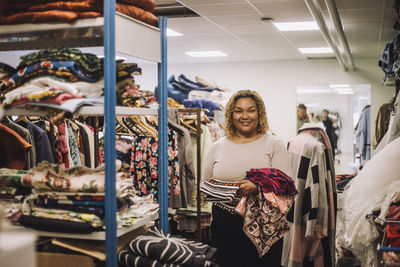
(276, 81)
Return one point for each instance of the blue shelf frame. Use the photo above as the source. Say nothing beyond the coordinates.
(109, 119)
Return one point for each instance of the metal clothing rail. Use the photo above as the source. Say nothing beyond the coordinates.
(198, 140)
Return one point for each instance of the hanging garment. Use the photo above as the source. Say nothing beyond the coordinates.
(73, 146)
(13, 149)
(144, 165)
(373, 188)
(42, 143)
(24, 133)
(311, 239)
(363, 134)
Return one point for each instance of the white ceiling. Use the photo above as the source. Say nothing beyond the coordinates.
(235, 27)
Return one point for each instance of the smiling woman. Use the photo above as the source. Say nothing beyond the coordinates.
(247, 146)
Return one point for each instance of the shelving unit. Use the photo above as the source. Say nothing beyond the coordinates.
(116, 32)
(100, 235)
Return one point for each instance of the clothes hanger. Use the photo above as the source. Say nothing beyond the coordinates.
(130, 125)
(187, 125)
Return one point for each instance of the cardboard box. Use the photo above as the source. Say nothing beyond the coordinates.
(46, 259)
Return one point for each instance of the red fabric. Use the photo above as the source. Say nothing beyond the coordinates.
(100, 158)
(60, 99)
(394, 212)
(13, 149)
(63, 144)
(393, 235)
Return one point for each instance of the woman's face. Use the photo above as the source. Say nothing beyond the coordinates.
(245, 117)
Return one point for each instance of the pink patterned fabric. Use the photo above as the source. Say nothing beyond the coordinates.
(265, 218)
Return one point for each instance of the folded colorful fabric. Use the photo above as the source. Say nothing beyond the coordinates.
(52, 67)
(56, 177)
(7, 192)
(89, 63)
(66, 215)
(272, 180)
(41, 85)
(219, 189)
(11, 177)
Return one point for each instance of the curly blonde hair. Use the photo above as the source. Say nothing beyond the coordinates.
(262, 127)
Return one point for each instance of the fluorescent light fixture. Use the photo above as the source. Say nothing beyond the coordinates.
(343, 89)
(346, 93)
(171, 32)
(338, 85)
(206, 54)
(116, 57)
(316, 50)
(296, 26)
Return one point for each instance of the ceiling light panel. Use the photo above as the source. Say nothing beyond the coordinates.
(171, 33)
(206, 53)
(316, 50)
(339, 85)
(296, 26)
(346, 93)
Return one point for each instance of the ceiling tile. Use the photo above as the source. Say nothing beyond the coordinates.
(237, 20)
(210, 2)
(306, 39)
(224, 10)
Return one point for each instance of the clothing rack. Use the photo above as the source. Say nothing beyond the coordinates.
(198, 140)
(153, 47)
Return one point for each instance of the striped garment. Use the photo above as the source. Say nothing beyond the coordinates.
(154, 248)
(272, 180)
(311, 239)
(219, 190)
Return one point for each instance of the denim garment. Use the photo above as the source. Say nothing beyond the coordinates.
(202, 103)
(185, 82)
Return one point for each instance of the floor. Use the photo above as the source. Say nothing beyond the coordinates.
(344, 164)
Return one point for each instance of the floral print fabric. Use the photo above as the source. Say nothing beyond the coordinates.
(66, 69)
(86, 61)
(144, 165)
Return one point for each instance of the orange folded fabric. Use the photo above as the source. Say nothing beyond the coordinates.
(137, 13)
(147, 5)
(13, 149)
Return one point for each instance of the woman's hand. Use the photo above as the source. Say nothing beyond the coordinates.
(246, 188)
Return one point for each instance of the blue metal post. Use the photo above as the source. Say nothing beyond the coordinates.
(162, 129)
(109, 145)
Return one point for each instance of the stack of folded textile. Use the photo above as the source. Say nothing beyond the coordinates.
(54, 77)
(129, 93)
(6, 72)
(180, 89)
(154, 248)
(47, 11)
(72, 200)
(219, 190)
